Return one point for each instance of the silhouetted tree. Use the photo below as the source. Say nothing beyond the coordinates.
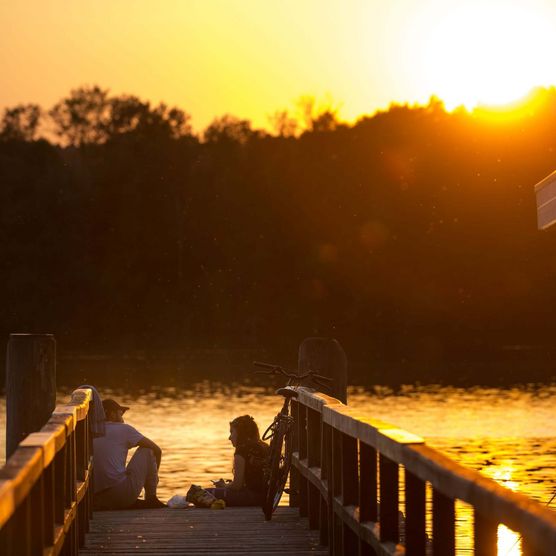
(283, 124)
(83, 117)
(325, 121)
(90, 116)
(319, 119)
(410, 235)
(127, 113)
(162, 120)
(20, 123)
(229, 129)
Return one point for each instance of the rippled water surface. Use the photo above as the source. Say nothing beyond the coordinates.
(507, 434)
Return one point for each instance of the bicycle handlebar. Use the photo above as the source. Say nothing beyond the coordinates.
(267, 365)
(276, 369)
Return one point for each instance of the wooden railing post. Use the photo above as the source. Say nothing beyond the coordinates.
(443, 524)
(368, 503)
(336, 490)
(73, 467)
(485, 532)
(59, 486)
(74, 505)
(302, 432)
(4, 538)
(368, 492)
(415, 515)
(294, 473)
(80, 448)
(81, 470)
(36, 517)
(69, 489)
(323, 522)
(49, 519)
(313, 438)
(313, 506)
(327, 506)
(350, 478)
(314, 442)
(90, 490)
(389, 500)
(302, 435)
(350, 489)
(19, 541)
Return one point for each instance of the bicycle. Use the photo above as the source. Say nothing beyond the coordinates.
(280, 434)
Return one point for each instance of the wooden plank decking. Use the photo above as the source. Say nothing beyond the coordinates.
(233, 531)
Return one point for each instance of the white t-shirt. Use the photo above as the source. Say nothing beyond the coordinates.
(110, 454)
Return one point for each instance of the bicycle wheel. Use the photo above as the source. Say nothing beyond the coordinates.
(279, 467)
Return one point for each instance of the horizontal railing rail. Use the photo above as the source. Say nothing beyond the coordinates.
(346, 468)
(45, 500)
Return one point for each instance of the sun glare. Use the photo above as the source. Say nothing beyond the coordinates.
(509, 542)
(491, 54)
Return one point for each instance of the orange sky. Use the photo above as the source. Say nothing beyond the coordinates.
(253, 57)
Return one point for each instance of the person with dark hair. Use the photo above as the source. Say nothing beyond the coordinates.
(115, 485)
(248, 487)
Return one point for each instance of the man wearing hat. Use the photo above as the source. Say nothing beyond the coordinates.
(115, 485)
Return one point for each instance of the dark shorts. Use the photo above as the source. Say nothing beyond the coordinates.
(233, 497)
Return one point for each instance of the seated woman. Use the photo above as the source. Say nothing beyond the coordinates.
(250, 459)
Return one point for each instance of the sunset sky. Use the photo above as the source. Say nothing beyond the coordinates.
(253, 57)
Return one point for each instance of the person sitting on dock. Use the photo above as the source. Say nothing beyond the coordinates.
(248, 486)
(115, 485)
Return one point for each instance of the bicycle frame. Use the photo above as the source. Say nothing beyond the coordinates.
(284, 412)
(280, 435)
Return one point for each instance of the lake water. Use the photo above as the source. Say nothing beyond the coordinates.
(507, 434)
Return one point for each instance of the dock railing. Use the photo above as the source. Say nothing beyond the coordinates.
(45, 500)
(349, 468)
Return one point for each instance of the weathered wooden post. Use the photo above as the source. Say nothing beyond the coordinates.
(30, 385)
(327, 357)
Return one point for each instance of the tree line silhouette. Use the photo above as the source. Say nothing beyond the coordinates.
(409, 235)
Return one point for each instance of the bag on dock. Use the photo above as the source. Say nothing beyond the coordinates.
(203, 498)
(177, 502)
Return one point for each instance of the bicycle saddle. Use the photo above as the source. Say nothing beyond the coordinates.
(287, 392)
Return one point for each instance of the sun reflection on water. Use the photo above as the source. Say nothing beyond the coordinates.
(509, 542)
(503, 474)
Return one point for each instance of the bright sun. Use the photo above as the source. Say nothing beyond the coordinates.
(488, 54)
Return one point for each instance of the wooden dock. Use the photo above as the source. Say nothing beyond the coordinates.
(233, 531)
(346, 469)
